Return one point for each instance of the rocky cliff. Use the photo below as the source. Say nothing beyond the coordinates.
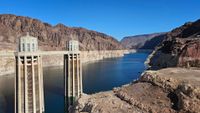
(146, 41)
(51, 37)
(170, 90)
(181, 47)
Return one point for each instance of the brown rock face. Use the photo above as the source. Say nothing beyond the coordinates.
(51, 37)
(190, 56)
(182, 46)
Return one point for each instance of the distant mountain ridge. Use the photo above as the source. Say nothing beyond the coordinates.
(144, 41)
(51, 37)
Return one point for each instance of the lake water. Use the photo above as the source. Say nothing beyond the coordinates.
(98, 76)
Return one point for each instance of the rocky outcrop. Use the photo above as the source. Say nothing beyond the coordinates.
(170, 90)
(146, 41)
(181, 47)
(7, 65)
(51, 37)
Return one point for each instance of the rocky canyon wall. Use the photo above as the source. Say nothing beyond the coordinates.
(181, 47)
(50, 37)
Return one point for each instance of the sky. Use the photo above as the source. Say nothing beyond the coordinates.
(118, 18)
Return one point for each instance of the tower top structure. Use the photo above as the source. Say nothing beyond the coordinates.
(73, 46)
(28, 43)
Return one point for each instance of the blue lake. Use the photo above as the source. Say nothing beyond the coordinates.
(98, 76)
(109, 73)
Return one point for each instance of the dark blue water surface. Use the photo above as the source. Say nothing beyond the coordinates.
(109, 73)
(98, 76)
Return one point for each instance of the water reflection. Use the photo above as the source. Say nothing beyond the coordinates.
(7, 94)
(107, 74)
(54, 89)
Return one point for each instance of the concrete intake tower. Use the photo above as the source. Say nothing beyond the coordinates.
(72, 74)
(29, 89)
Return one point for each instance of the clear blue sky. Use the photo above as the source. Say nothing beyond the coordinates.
(117, 18)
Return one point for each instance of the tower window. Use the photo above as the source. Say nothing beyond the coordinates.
(33, 47)
(28, 47)
(23, 47)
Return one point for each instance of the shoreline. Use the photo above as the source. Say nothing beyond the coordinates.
(148, 60)
(8, 63)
